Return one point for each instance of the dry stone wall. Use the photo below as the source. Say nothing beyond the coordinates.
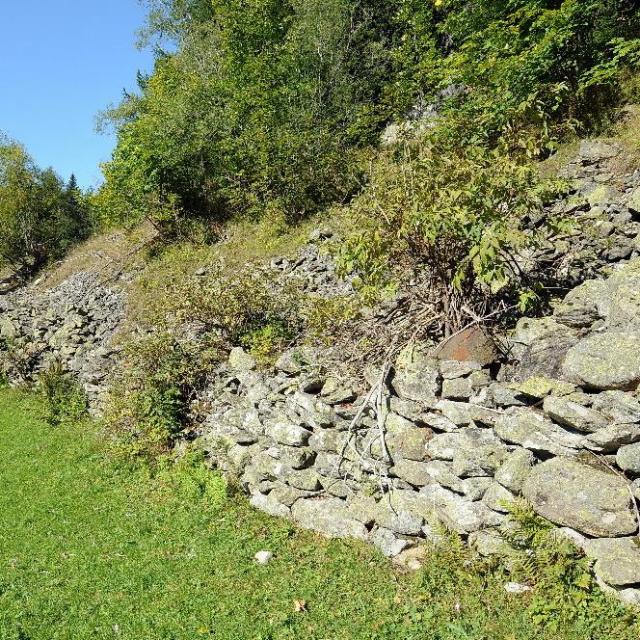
(427, 441)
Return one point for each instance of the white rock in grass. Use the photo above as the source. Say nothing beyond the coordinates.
(263, 557)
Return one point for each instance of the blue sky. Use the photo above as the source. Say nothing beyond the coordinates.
(61, 62)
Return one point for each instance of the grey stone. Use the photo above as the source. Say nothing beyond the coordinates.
(498, 498)
(451, 369)
(289, 434)
(417, 376)
(584, 305)
(458, 514)
(628, 459)
(269, 505)
(504, 396)
(573, 415)
(479, 461)
(290, 362)
(457, 389)
(625, 302)
(609, 439)
(608, 360)
(263, 557)
(415, 473)
(617, 406)
(413, 411)
(463, 413)
(327, 440)
(582, 497)
(633, 200)
(617, 560)
(329, 516)
(534, 431)
(444, 446)
(305, 479)
(475, 488)
(286, 494)
(388, 542)
(515, 470)
(240, 360)
(405, 440)
(336, 392)
(442, 473)
(592, 151)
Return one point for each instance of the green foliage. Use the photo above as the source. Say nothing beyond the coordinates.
(266, 342)
(64, 398)
(40, 216)
(262, 106)
(460, 213)
(149, 401)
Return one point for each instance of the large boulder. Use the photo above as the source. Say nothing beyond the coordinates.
(584, 305)
(417, 376)
(628, 458)
(585, 498)
(608, 360)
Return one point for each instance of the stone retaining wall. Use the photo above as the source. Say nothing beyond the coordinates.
(449, 443)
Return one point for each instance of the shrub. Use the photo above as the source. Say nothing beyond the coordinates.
(458, 214)
(65, 400)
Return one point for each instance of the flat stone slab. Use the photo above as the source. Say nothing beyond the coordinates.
(534, 431)
(617, 560)
(572, 494)
(329, 516)
(608, 360)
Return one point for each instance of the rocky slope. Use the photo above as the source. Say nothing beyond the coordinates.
(436, 437)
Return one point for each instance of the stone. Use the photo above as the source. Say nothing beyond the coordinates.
(388, 542)
(444, 446)
(628, 459)
(442, 473)
(633, 200)
(585, 498)
(474, 488)
(470, 345)
(269, 505)
(516, 588)
(618, 407)
(413, 411)
(592, 151)
(405, 440)
(286, 494)
(327, 440)
(533, 431)
(540, 345)
(503, 396)
(498, 498)
(463, 413)
(290, 362)
(625, 301)
(305, 479)
(457, 389)
(328, 516)
(515, 469)
(611, 438)
(335, 392)
(540, 387)
(584, 305)
(617, 560)
(412, 558)
(263, 557)
(479, 461)
(415, 473)
(240, 360)
(313, 412)
(289, 434)
(573, 415)
(417, 376)
(452, 369)
(458, 514)
(488, 543)
(608, 360)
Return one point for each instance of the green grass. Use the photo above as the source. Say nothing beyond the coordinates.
(90, 548)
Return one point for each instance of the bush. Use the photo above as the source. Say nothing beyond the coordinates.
(66, 402)
(458, 214)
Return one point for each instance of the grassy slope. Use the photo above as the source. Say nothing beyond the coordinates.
(91, 549)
